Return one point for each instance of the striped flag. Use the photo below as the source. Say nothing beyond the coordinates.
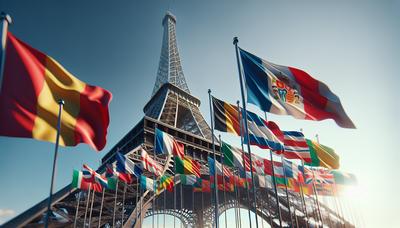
(147, 183)
(278, 168)
(165, 182)
(233, 157)
(126, 166)
(187, 166)
(95, 177)
(150, 164)
(322, 156)
(33, 82)
(187, 179)
(226, 117)
(78, 181)
(222, 171)
(295, 146)
(166, 144)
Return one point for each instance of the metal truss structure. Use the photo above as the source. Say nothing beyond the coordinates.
(173, 110)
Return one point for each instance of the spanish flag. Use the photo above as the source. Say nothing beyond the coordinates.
(32, 84)
(226, 117)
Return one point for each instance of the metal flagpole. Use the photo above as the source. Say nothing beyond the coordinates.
(60, 107)
(275, 188)
(181, 200)
(286, 189)
(136, 199)
(174, 193)
(87, 203)
(303, 201)
(267, 206)
(235, 41)
(165, 202)
(223, 177)
(243, 159)
(5, 20)
(77, 208)
(115, 203)
(141, 206)
(238, 203)
(101, 207)
(91, 208)
(317, 201)
(215, 160)
(123, 204)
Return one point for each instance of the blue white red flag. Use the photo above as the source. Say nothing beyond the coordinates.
(286, 90)
(264, 134)
(166, 144)
(126, 166)
(93, 176)
(295, 146)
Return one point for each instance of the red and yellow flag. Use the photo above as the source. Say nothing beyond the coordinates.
(32, 84)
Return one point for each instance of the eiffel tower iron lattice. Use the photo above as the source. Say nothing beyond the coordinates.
(174, 110)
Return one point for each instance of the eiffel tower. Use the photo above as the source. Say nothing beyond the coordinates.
(174, 110)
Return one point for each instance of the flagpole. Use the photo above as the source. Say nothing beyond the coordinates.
(267, 206)
(87, 203)
(317, 201)
(238, 203)
(91, 208)
(301, 190)
(5, 20)
(235, 41)
(115, 203)
(123, 204)
(223, 176)
(60, 108)
(77, 208)
(243, 158)
(275, 188)
(101, 207)
(286, 189)
(215, 174)
(136, 199)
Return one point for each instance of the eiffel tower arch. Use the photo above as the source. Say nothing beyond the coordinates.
(173, 109)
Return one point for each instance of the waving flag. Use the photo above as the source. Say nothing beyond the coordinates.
(78, 181)
(205, 186)
(95, 177)
(187, 179)
(289, 91)
(187, 166)
(33, 82)
(233, 157)
(278, 168)
(165, 182)
(166, 144)
(219, 168)
(150, 164)
(318, 176)
(344, 178)
(111, 172)
(264, 134)
(295, 146)
(291, 169)
(147, 183)
(322, 156)
(226, 117)
(126, 166)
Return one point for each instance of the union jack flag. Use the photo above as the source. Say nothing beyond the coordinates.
(92, 176)
(318, 176)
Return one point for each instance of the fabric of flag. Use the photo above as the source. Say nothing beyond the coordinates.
(318, 175)
(291, 169)
(295, 146)
(233, 157)
(78, 181)
(281, 182)
(219, 168)
(344, 178)
(286, 90)
(187, 166)
(111, 172)
(261, 181)
(166, 182)
(226, 117)
(150, 164)
(126, 166)
(264, 134)
(166, 144)
(188, 179)
(147, 183)
(278, 168)
(205, 186)
(322, 156)
(95, 177)
(32, 84)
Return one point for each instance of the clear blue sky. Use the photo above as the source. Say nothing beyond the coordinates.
(352, 46)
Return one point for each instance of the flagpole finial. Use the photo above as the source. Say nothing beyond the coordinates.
(61, 102)
(209, 91)
(235, 40)
(237, 102)
(7, 17)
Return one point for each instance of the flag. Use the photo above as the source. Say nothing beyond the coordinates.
(344, 178)
(33, 82)
(150, 164)
(78, 181)
(291, 169)
(264, 134)
(166, 144)
(219, 168)
(188, 179)
(281, 182)
(204, 186)
(226, 117)
(147, 183)
(94, 177)
(322, 156)
(165, 182)
(278, 168)
(125, 166)
(233, 157)
(111, 172)
(318, 176)
(295, 146)
(187, 166)
(286, 90)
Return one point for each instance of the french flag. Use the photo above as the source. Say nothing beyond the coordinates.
(126, 167)
(166, 144)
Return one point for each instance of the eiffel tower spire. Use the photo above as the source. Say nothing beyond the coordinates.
(170, 68)
(171, 101)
